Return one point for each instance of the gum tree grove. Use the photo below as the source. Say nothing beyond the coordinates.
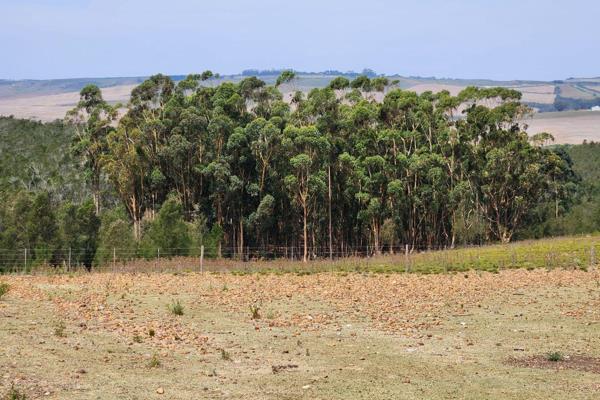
(357, 165)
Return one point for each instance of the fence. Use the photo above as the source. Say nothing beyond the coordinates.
(549, 253)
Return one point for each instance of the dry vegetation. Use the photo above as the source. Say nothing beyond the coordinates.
(326, 335)
(567, 126)
(49, 107)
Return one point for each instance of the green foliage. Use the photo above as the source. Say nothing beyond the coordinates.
(168, 231)
(60, 329)
(554, 356)
(4, 288)
(154, 361)
(79, 227)
(15, 394)
(225, 355)
(236, 166)
(35, 156)
(255, 311)
(176, 308)
(115, 238)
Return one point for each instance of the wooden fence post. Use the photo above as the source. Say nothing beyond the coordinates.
(201, 258)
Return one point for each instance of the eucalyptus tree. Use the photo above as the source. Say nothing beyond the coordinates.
(307, 151)
(93, 120)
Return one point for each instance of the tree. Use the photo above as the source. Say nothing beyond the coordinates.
(306, 149)
(92, 118)
(169, 231)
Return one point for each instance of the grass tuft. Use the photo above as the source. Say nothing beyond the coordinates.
(176, 308)
(4, 288)
(225, 355)
(154, 361)
(555, 356)
(255, 311)
(15, 394)
(59, 329)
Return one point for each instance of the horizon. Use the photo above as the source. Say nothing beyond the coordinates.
(512, 40)
(278, 70)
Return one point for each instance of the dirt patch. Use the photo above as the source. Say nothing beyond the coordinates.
(578, 363)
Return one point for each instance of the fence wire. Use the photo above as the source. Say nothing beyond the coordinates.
(398, 257)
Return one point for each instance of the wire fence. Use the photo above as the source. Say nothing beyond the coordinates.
(401, 257)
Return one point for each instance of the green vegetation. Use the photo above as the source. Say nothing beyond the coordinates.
(578, 252)
(154, 361)
(236, 169)
(36, 156)
(583, 215)
(60, 329)
(255, 311)
(15, 394)
(176, 308)
(554, 356)
(4, 288)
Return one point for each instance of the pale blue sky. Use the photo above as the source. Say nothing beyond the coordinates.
(509, 39)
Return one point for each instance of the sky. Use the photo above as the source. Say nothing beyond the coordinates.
(497, 39)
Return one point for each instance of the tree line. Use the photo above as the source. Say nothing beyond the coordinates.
(360, 164)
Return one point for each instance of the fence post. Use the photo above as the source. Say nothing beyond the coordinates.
(406, 260)
(114, 259)
(592, 256)
(201, 258)
(157, 258)
(69, 267)
(25, 268)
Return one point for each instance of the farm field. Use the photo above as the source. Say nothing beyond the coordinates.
(48, 107)
(322, 335)
(567, 126)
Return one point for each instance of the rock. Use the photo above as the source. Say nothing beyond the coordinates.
(306, 387)
(160, 390)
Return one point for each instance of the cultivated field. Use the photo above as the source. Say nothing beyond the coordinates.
(567, 126)
(48, 107)
(326, 335)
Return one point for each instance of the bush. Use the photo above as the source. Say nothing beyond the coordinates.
(255, 311)
(4, 288)
(175, 308)
(15, 394)
(167, 232)
(554, 356)
(59, 329)
(154, 361)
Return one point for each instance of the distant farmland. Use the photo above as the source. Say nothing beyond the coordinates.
(50, 100)
(568, 126)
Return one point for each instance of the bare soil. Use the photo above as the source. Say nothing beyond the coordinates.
(319, 336)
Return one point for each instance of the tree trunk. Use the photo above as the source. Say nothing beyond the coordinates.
(305, 234)
(330, 227)
(241, 238)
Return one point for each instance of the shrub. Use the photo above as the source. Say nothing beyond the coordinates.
(15, 394)
(225, 355)
(176, 308)
(4, 288)
(59, 329)
(555, 356)
(154, 361)
(255, 311)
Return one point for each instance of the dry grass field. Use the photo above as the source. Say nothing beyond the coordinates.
(537, 94)
(567, 126)
(49, 107)
(469, 335)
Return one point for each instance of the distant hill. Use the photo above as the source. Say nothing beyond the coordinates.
(47, 100)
